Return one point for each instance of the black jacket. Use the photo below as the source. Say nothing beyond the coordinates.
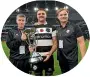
(14, 42)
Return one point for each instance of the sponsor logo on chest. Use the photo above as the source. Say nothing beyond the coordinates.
(43, 30)
(44, 33)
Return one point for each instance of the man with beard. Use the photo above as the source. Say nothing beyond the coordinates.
(47, 44)
(69, 37)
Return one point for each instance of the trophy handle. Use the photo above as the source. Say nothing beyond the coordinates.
(32, 40)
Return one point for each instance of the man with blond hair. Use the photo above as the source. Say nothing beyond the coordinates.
(69, 37)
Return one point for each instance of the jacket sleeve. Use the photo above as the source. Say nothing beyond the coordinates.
(11, 42)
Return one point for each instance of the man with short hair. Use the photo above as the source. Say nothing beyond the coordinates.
(19, 52)
(69, 36)
(47, 44)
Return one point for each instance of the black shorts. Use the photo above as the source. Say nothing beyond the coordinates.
(23, 64)
(48, 66)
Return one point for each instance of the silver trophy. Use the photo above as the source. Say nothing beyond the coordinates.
(32, 41)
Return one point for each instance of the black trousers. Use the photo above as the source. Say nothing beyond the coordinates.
(48, 66)
(66, 64)
(23, 64)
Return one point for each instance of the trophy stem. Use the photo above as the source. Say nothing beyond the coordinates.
(28, 38)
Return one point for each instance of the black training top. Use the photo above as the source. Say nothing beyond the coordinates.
(67, 40)
(14, 43)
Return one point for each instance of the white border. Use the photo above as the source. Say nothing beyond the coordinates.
(8, 70)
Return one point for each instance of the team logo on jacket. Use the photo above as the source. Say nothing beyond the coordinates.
(47, 29)
(68, 31)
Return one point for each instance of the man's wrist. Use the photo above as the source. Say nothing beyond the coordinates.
(50, 52)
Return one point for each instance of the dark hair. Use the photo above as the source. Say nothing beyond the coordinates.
(41, 9)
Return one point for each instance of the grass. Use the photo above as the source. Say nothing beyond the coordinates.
(57, 68)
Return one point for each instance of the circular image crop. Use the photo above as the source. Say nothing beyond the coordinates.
(45, 38)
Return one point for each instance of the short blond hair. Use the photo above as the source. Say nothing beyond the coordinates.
(20, 15)
(61, 9)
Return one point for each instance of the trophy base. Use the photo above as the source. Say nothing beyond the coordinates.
(35, 60)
